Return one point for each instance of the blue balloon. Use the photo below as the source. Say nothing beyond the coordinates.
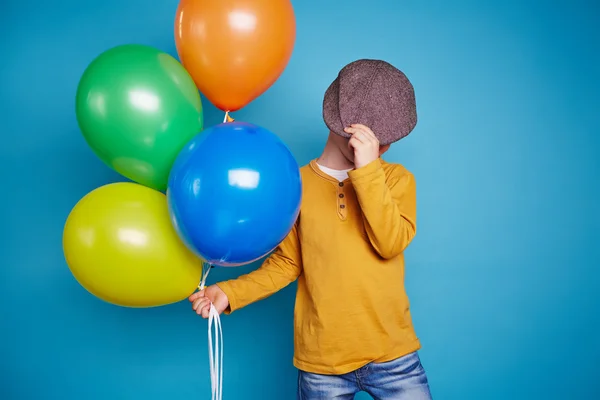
(234, 193)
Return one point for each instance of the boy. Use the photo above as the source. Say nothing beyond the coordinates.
(352, 324)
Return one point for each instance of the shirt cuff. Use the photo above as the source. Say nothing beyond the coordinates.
(226, 287)
(366, 172)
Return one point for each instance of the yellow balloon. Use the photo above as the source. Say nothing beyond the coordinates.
(120, 245)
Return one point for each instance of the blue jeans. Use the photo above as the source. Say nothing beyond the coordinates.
(400, 379)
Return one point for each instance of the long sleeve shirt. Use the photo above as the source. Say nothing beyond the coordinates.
(346, 251)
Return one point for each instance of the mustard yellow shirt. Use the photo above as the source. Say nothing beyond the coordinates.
(346, 251)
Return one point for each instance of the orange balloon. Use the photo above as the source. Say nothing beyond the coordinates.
(234, 49)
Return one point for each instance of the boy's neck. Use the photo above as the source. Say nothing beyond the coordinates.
(333, 158)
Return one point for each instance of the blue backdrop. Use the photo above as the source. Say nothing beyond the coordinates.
(504, 272)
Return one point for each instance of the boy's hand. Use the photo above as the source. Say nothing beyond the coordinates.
(364, 144)
(202, 300)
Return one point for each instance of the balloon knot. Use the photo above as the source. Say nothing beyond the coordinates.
(228, 117)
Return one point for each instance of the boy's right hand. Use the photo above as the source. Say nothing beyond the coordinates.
(202, 300)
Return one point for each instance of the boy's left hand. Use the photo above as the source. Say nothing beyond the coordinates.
(364, 143)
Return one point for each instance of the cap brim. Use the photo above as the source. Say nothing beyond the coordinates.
(331, 111)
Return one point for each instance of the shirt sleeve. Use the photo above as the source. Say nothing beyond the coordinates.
(388, 207)
(280, 269)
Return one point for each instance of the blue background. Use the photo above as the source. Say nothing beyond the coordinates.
(503, 275)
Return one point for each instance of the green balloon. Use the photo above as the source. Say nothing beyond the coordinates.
(137, 107)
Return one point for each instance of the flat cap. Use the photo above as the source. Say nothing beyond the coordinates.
(373, 93)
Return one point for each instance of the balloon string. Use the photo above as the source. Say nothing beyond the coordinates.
(227, 117)
(206, 267)
(215, 354)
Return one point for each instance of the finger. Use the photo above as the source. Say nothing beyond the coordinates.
(361, 136)
(351, 131)
(196, 295)
(202, 306)
(196, 303)
(201, 310)
(366, 130)
(206, 311)
(199, 303)
(365, 138)
(353, 143)
(362, 127)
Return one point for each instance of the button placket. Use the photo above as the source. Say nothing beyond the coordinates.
(341, 201)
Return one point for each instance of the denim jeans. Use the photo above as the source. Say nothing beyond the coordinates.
(400, 379)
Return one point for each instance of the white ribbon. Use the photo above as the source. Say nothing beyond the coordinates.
(215, 354)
